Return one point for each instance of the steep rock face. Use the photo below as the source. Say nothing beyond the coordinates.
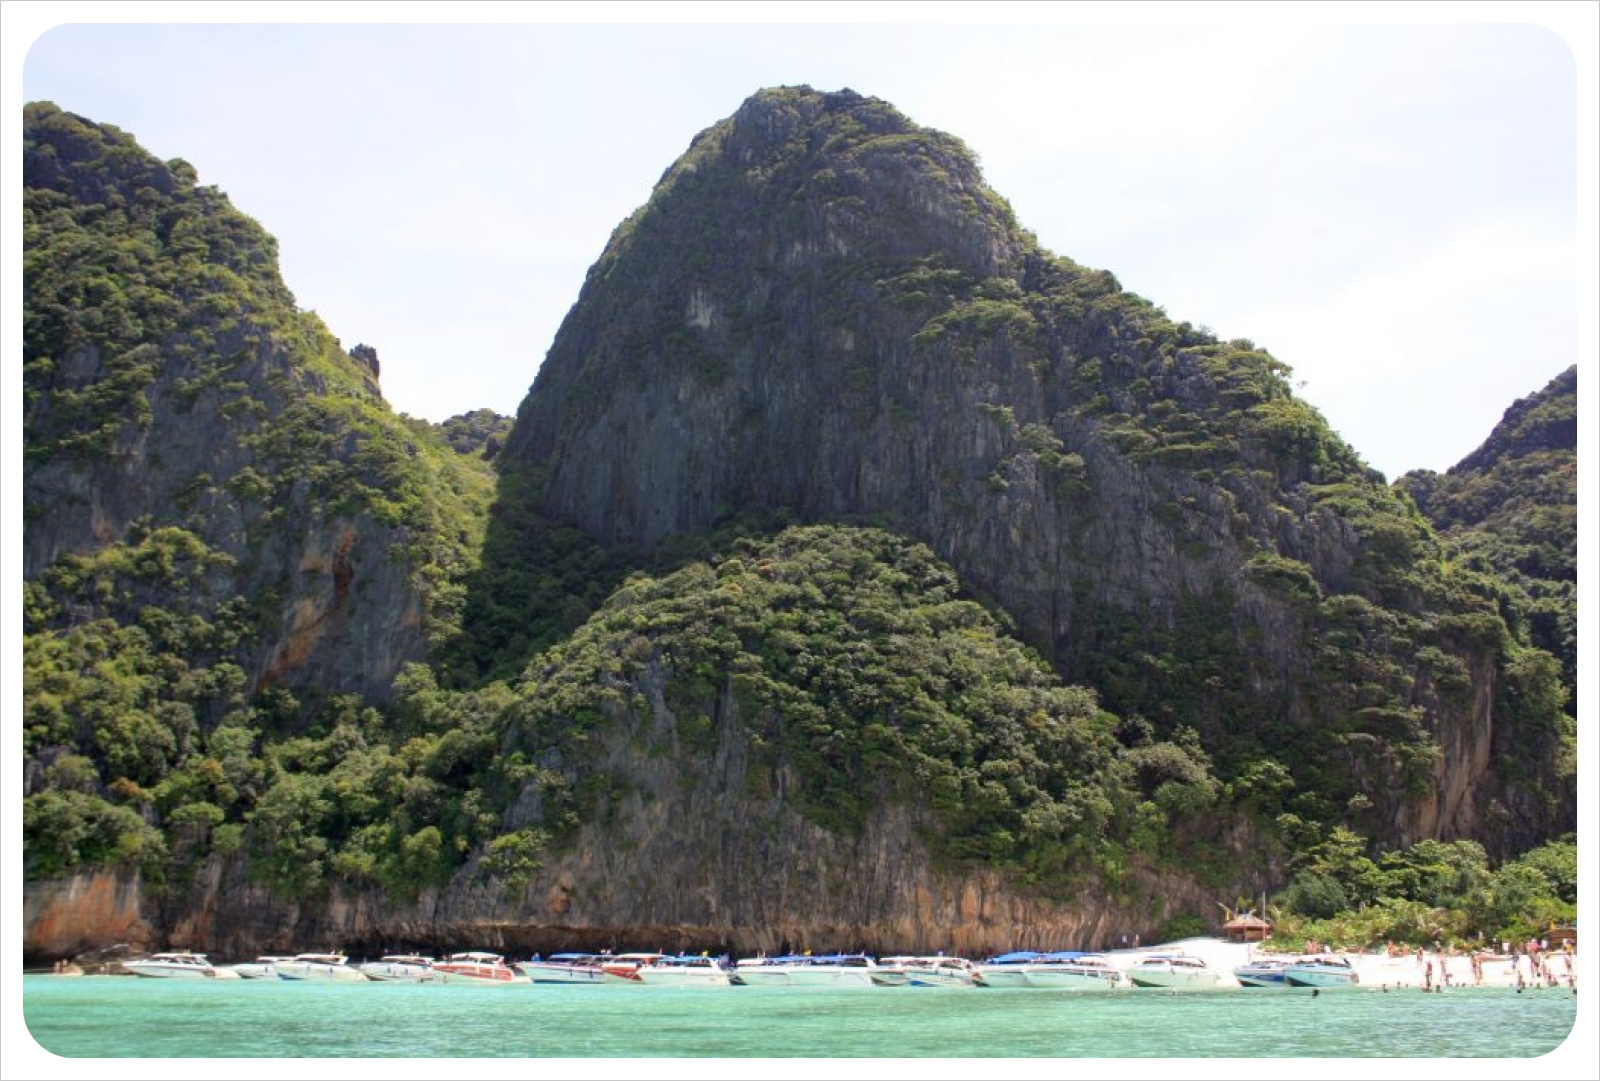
(84, 913)
(876, 768)
(823, 308)
(749, 867)
(170, 381)
(776, 328)
(698, 870)
(1510, 508)
(575, 907)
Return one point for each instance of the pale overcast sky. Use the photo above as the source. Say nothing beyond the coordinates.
(1392, 210)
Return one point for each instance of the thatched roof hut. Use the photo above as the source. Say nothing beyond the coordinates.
(1248, 927)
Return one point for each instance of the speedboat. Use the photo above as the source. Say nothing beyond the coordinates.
(475, 966)
(1172, 971)
(1062, 970)
(685, 972)
(1324, 970)
(1263, 972)
(805, 970)
(565, 968)
(262, 968)
(1071, 970)
(624, 967)
(400, 966)
(934, 971)
(1006, 969)
(175, 965)
(319, 966)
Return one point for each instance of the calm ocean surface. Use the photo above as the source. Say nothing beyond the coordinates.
(126, 1017)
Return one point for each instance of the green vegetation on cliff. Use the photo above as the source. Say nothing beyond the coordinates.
(1511, 509)
(1124, 604)
(145, 744)
(169, 597)
(823, 311)
(844, 661)
(854, 665)
(159, 336)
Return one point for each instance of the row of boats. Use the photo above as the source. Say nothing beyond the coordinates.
(1061, 970)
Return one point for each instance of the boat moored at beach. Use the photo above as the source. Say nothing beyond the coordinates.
(624, 967)
(935, 971)
(1263, 972)
(264, 967)
(574, 968)
(1323, 971)
(1006, 969)
(805, 970)
(319, 966)
(177, 964)
(1071, 970)
(1061, 970)
(685, 971)
(1173, 972)
(400, 966)
(475, 966)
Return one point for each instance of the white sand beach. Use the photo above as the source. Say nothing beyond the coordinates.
(1376, 971)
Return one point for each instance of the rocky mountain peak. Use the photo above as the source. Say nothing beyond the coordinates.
(1545, 421)
(824, 311)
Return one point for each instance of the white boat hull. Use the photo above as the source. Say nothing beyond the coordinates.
(1058, 980)
(300, 970)
(938, 971)
(256, 972)
(1319, 979)
(671, 976)
(175, 965)
(1174, 981)
(543, 973)
(805, 976)
(381, 970)
(941, 979)
(160, 972)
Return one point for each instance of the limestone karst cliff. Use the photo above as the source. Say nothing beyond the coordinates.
(171, 383)
(824, 309)
(1511, 507)
(858, 574)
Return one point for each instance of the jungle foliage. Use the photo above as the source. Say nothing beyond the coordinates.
(842, 654)
(153, 305)
(1510, 509)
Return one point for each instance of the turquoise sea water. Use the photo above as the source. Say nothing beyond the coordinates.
(124, 1017)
